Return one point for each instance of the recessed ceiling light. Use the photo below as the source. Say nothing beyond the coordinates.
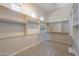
(33, 15)
(42, 19)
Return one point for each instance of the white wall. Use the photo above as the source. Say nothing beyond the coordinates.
(61, 26)
(57, 27)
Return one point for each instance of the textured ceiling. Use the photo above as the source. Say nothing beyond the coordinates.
(48, 7)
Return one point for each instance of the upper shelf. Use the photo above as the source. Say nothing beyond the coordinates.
(13, 21)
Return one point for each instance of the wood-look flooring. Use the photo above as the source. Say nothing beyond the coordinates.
(48, 47)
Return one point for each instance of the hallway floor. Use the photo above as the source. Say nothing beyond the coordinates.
(49, 47)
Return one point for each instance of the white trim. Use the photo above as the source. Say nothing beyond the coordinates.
(58, 20)
(25, 48)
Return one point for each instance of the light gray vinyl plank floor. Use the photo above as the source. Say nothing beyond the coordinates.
(48, 47)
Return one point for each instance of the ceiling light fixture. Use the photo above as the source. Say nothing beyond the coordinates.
(33, 15)
(42, 19)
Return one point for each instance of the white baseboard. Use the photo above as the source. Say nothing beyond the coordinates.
(26, 48)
